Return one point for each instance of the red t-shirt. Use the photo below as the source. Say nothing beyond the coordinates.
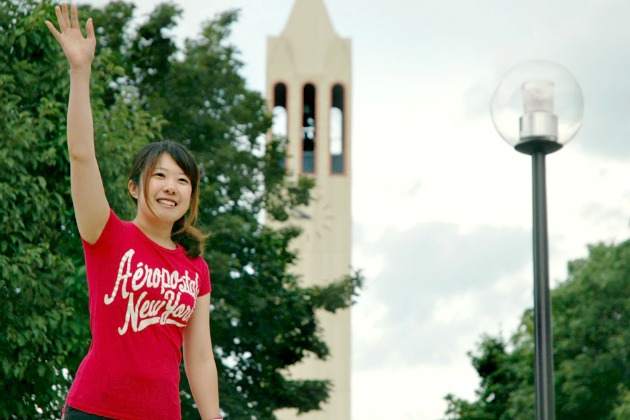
(141, 298)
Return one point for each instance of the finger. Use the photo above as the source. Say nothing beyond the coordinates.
(89, 29)
(53, 30)
(60, 20)
(66, 15)
(75, 16)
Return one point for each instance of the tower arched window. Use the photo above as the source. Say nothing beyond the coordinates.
(337, 131)
(308, 129)
(279, 127)
(280, 122)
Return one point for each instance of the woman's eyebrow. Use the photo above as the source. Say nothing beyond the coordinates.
(165, 169)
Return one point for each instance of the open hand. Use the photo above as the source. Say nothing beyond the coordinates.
(78, 50)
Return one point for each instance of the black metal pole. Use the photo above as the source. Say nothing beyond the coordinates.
(545, 398)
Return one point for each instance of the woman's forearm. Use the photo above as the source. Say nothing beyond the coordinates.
(80, 122)
(203, 381)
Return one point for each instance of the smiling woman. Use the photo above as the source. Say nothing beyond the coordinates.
(141, 313)
(164, 183)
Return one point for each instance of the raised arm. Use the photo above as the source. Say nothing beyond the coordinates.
(88, 195)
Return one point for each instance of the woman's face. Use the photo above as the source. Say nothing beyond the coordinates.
(168, 192)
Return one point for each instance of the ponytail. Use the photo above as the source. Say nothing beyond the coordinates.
(189, 237)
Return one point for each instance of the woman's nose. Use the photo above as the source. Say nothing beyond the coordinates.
(169, 186)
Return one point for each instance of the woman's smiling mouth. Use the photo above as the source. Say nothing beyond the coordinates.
(167, 202)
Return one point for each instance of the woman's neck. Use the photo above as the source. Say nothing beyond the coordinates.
(161, 235)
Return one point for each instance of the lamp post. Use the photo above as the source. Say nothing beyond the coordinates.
(537, 108)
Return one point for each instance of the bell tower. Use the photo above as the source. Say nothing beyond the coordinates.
(309, 87)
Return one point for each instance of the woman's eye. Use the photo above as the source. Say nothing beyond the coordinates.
(185, 180)
(159, 174)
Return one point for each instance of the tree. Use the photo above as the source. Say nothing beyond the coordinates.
(145, 87)
(498, 380)
(42, 287)
(591, 338)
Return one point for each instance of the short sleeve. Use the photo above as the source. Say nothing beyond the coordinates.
(109, 232)
(205, 284)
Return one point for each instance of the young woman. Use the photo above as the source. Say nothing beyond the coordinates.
(149, 288)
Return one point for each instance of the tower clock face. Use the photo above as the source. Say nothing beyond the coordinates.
(324, 217)
(317, 219)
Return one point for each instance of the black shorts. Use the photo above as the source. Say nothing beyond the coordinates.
(74, 414)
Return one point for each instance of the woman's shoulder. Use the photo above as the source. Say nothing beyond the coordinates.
(120, 226)
(200, 264)
(198, 260)
(113, 227)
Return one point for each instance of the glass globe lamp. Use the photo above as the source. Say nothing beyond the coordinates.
(537, 107)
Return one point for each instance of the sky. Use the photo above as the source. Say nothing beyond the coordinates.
(441, 203)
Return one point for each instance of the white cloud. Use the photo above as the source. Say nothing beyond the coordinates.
(451, 309)
(409, 393)
(426, 271)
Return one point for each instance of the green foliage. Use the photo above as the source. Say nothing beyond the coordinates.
(505, 387)
(144, 88)
(591, 338)
(592, 334)
(42, 286)
(622, 409)
(38, 248)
